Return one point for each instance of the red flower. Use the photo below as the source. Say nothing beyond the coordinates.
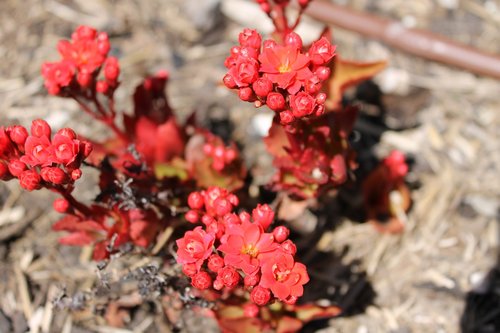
(65, 149)
(83, 53)
(244, 71)
(57, 74)
(194, 247)
(38, 151)
(283, 276)
(263, 215)
(321, 51)
(285, 66)
(244, 245)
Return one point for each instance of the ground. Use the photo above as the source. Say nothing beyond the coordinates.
(447, 120)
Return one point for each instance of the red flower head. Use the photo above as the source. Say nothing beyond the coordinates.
(38, 151)
(244, 245)
(65, 149)
(194, 247)
(321, 51)
(83, 53)
(57, 74)
(285, 66)
(283, 276)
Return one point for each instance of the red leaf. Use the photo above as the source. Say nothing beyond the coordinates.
(169, 141)
(78, 238)
(277, 141)
(347, 73)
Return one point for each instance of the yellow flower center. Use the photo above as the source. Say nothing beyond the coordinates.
(251, 250)
(284, 68)
(279, 273)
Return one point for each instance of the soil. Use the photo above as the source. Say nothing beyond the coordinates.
(440, 275)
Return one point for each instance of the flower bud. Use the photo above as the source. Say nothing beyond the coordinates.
(189, 269)
(286, 117)
(321, 98)
(86, 148)
(215, 263)
(228, 81)
(84, 32)
(84, 79)
(195, 200)
(218, 284)
(68, 133)
(39, 128)
(201, 280)
(102, 87)
(29, 180)
(192, 216)
(246, 94)
(251, 280)
(222, 206)
(281, 233)
(275, 101)
(263, 215)
(262, 87)
(54, 175)
(18, 134)
(76, 174)
(260, 296)
(61, 205)
(293, 39)
(229, 276)
(16, 167)
(111, 69)
(250, 38)
(207, 220)
(244, 217)
(103, 45)
(322, 72)
(289, 247)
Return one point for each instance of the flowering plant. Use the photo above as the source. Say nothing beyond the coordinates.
(152, 168)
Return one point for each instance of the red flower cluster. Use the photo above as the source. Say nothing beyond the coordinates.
(37, 160)
(221, 155)
(82, 59)
(231, 250)
(284, 78)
